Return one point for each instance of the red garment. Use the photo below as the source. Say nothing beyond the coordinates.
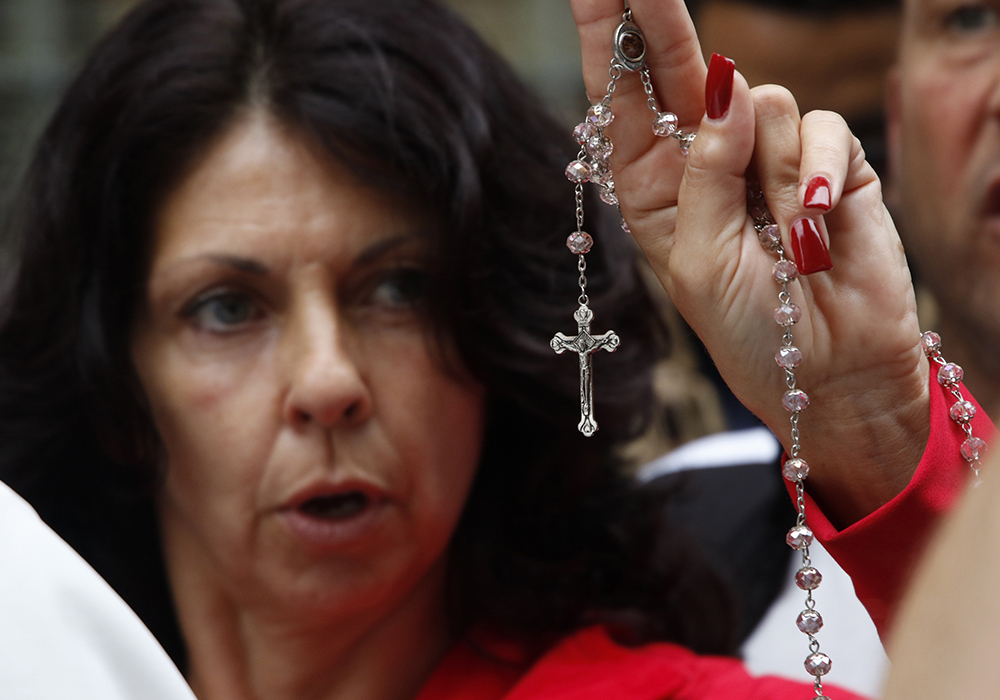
(589, 666)
(878, 552)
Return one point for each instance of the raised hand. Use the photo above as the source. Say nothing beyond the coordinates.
(863, 368)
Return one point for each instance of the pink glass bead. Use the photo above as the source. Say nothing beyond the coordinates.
(795, 469)
(931, 342)
(973, 448)
(962, 411)
(600, 116)
(795, 400)
(664, 123)
(809, 622)
(784, 271)
(787, 315)
(599, 148)
(770, 237)
(950, 374)
(799, 537)
(625, 227)
(600, 173)
(578, 171)
(584, 132)
(818, 664)
(579, 242)
(788, 358)
(808, 578)
(609, 197)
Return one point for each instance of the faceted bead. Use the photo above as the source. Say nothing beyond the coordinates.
(609, 197)
(795, 469)
(770, 237)
(788, 358)
(579, 242)
(787, 315)
(809, 622)
(784, 271)
(962, 411)
(808, 578)
(599, 147)
(931, 342)
(760, 212)
(799, 537)
(584, 132)
(578, 171)
(795, 400)
(600, 173)
(973, 448)
(950, 374)
(664, 123)
(625, 227)
(818, 664)
(600, 116)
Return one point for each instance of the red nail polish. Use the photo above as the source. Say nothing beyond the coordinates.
(719, 86)
(818, 194)
(810, 252)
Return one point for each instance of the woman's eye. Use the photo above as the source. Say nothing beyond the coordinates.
(404, 287)
(221, 311)
(971, 18)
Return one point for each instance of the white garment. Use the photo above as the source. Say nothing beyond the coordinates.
(64, 633)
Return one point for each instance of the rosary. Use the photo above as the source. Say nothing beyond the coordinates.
(592, 165)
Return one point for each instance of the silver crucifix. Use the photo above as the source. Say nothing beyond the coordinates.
(585, 344)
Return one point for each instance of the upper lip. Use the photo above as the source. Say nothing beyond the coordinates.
(325, 488)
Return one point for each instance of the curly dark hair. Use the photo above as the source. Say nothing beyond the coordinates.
(409, 98)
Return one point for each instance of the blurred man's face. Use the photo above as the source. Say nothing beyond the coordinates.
(945, 137)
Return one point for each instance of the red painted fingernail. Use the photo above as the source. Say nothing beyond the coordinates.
(810, 252)
(818, 194)
(719, 86)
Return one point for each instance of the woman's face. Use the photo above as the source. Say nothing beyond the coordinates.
(318, 456)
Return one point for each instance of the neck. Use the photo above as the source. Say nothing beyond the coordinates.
(241, 653)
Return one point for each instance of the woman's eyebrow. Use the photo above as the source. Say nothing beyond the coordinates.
(386, 245)
(249, 265)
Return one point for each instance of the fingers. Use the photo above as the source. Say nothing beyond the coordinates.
(828, 149)
(672, 54)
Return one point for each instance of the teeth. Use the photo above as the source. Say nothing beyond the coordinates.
(336, 507)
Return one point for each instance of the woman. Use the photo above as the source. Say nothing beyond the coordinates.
(277, 352)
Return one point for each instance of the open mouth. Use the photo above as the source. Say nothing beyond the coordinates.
(335, 506)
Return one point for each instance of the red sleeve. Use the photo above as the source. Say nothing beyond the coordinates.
(880, 551)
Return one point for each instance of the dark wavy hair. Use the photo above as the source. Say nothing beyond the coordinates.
(408, 97)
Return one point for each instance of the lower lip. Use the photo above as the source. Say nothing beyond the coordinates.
(325, 534)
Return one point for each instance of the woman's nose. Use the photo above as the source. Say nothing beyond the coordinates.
(327, 387)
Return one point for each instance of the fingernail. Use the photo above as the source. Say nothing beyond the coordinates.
(810, 252)
(719, 86)
(818, 194)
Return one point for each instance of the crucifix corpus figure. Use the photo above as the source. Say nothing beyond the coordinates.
(584, 344)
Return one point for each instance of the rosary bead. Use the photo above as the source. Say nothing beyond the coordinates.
(770, 237)
(962, 411)
(578, 171)
(795, 400)
(784, 271)
(664, 123)
(599, 148)
(600, 173)
(609, 197)
(950, 374)
(809, 622)
(625, 227)
(799, 537)
(795, 469)
(579, 242)
(818, 664)
(584, 132)
(973, 448)
(931, 342)
(600, 116)
(788, 357)
(808, 578)
(787, 315)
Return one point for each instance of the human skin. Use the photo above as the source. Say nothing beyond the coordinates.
(944, 139)
(864, 371)
(284, 355)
